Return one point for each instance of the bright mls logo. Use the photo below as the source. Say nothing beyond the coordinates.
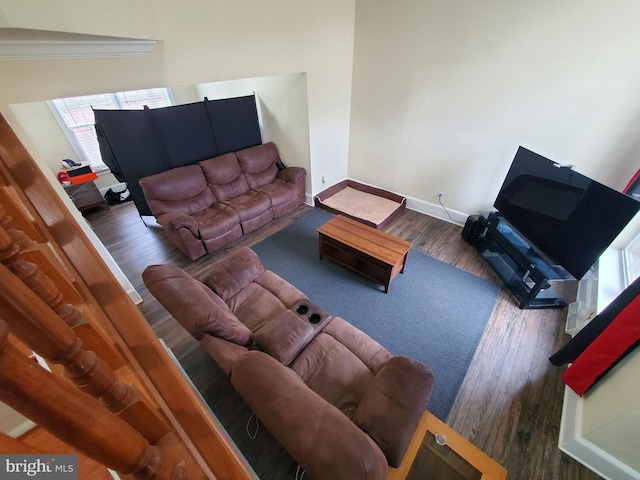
(50, 467)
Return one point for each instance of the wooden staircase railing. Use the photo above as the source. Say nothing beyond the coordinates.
(77, 419)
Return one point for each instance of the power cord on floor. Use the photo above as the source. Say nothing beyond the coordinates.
(253, 435)
(444, 208)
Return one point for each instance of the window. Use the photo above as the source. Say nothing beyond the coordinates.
(632, 260)
(75, 117)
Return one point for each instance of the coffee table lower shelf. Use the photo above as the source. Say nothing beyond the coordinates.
(438, 452)
(374, 254)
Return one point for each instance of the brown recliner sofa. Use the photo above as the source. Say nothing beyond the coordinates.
(341, 404)
(205, 206)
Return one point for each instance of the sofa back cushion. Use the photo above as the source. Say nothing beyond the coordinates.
(224, 176)
(182, 190)
(193, 305)
(229, 276)
(259, 164)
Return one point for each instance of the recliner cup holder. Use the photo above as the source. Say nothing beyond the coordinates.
(312, 312)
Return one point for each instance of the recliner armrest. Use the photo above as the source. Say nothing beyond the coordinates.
(176, 221)
(316, 434)
(393, 404)
(292, 174)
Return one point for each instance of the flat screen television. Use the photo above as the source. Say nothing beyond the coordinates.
(566, 217)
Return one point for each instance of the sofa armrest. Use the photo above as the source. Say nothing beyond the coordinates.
(315, 433)
(393, 404)
(292, 174)
(175, 221)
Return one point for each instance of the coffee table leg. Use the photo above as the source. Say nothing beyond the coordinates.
(404, 262)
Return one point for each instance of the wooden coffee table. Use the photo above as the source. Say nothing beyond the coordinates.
(436, 451)
(374, 254)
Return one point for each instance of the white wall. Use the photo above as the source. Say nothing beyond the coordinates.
(443, 95)
(445, 92)
(601, 429)
(616, 429)
(199, 41)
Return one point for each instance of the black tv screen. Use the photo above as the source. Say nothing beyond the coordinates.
(566, 217)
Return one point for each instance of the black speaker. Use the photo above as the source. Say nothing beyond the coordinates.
(471, 227)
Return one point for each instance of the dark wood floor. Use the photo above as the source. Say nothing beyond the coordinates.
(511, 399)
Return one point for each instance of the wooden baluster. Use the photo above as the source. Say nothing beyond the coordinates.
(31, 275)
(77, 419)
(33, 322)
(22, 219)
(17, 236)
(34, 264)
(8, 248)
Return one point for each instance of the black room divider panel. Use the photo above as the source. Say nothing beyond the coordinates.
(185, 132)
(137, 143)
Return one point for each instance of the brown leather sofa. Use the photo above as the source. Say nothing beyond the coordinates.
(205, 206)
(341, 404)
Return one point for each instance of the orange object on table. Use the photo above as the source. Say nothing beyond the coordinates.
(86, 177)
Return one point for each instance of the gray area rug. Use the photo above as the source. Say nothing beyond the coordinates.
(433, 312)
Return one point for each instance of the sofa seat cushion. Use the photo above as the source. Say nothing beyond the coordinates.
(332, 371)
(254, 306)
(254, 223)
(284, 336)
(370, 352)
(216, 220)
(250, 205)
(279, 192)
(194, 305)
(280, 288)
(214, 243)
(182, 190)
(254, 303)
(259, 164)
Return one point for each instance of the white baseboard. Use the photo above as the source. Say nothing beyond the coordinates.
(437, 211)
(421, 206)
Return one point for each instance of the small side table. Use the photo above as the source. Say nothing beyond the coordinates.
(438, 452)
(86, 196)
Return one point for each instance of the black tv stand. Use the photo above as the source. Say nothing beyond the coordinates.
(524, 273)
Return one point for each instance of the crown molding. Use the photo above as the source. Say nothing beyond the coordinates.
(23, 44)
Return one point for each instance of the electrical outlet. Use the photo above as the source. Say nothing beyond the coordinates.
(322, 179)
(440, 195)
